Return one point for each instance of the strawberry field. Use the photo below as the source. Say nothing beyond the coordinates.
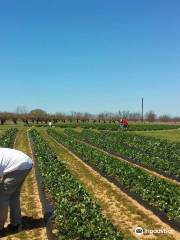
(77, 216)
(112, 126)
(160, 155)
(116, 126)
(78, 167)
(158, 192)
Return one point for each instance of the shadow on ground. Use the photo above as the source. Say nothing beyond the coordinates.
(28, 223)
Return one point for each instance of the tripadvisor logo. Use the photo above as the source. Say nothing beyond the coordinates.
(139, 231)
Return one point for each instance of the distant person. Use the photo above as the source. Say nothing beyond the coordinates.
(50, 124)
(121, 122)
(14, 167)
(125, 123)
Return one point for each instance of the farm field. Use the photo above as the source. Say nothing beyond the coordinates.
(1, 132)
(172, 135)
(156, 154)
(113, 126)
(95, 193)
(116, 126)
(3, 129)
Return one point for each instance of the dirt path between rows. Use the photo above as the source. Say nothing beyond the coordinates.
(33, 224)
(125, 213)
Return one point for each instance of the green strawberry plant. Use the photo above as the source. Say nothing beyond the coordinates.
(7, 139)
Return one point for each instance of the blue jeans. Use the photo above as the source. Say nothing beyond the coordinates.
(10, 189)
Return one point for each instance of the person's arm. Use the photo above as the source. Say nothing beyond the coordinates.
(1, 175)
(1, 179)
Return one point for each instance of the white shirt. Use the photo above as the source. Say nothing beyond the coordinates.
(11, 160)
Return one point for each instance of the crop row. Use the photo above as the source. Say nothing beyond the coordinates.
(158, 192)
(76, 215)
(112, 126)
(157, 154)
(115, 126)
(7, 139)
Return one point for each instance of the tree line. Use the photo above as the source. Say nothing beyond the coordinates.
(40, 116)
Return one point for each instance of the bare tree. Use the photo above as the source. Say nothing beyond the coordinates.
(135, 116)
(150, 116)
(4, 116)
(38, 115)
(164, 118)
(14, 117)
(176, 119)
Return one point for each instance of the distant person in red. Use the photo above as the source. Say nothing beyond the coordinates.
(125, 123)
(121, 122)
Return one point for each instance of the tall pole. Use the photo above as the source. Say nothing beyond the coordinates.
(142, 110)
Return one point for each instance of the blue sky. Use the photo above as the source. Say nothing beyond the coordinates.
(90, 55)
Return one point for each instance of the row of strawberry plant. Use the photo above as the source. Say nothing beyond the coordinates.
(76, 215)
(7, 139)
(159, 155)
(158, 192)
(158, 147)
(116, 126)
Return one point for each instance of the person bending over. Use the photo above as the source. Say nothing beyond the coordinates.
(14, 167)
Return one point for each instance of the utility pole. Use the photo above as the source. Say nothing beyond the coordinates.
(142, 103)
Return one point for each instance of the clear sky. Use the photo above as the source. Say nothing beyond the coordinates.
(90, 55)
